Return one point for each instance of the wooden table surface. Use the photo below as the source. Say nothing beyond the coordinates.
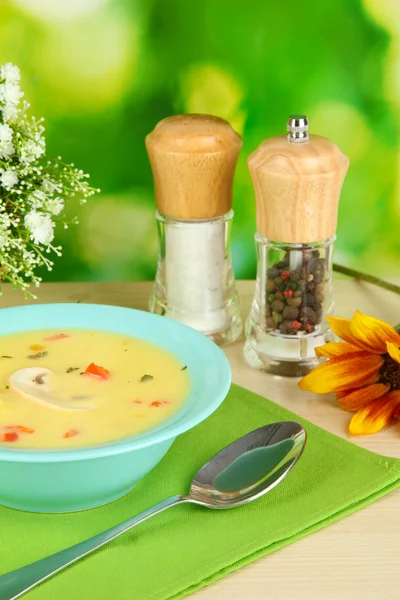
(354, 559)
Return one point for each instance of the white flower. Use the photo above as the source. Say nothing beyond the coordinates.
(10, 93)
(37, 199)
(6, 147)
(3, 235)
(29, 257)
(31, 150)
(8, 178)
(40, 226)
(49, 186)
(54, 205)
(9, 112)
(10, 73)
(5, 133)
(6, 150)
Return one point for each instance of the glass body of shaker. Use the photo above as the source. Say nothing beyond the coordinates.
(293, 296)
(195, 283)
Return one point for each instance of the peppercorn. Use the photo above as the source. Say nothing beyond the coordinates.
(285, 327)
(278, 306)
(283, 285)
(285, 275)
(270, 298)
(282, 264)
(290, 312)
(270, 285)
(272, 272)
(293, 302)
(312, 265)
(303, 273)
(290, 329)
(318, 276)
(277, 317)
(288, 293)
(308, 315)
(279, 296)
(295, 275)
(271, 323)
(310, 300)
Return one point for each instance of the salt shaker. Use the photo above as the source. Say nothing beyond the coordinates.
(193, 159)
(297, 180)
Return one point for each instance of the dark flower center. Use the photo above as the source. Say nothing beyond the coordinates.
(390, 372)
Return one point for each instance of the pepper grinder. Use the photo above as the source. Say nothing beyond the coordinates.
(297, 180)
(193, 159)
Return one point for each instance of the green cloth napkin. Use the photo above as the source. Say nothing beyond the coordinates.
(188, 547)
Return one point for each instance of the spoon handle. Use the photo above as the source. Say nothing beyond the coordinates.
(16, 583)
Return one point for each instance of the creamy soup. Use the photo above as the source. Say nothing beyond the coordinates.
(71, 388)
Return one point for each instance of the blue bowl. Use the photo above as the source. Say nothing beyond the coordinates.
(78, 479)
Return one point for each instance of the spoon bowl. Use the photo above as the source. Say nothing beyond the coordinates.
(249, 467)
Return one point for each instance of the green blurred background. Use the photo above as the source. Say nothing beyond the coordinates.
(104, 72)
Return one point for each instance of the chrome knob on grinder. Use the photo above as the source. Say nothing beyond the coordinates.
(297, 126)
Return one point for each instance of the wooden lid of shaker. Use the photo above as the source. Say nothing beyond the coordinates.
(297, 179)
(193, 159)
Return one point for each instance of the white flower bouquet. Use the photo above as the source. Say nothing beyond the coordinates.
(33, 192)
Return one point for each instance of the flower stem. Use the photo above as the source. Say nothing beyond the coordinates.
(368, 278)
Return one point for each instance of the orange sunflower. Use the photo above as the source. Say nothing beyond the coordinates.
(363, 370)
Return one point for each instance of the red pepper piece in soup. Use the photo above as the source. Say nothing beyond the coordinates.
(98, 372)
(9, 436)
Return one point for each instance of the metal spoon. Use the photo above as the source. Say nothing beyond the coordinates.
(246, 469)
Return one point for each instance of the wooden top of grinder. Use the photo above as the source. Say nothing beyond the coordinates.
(297, 179)
(193, 159)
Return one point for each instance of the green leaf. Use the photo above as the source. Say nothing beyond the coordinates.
(38, 355)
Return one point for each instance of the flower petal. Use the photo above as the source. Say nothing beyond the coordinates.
(396, 413)
(373, 334)
(393, 351)
(374, 416)
(353, 400)
(342, 328)
(343, 373)
(334, 349)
